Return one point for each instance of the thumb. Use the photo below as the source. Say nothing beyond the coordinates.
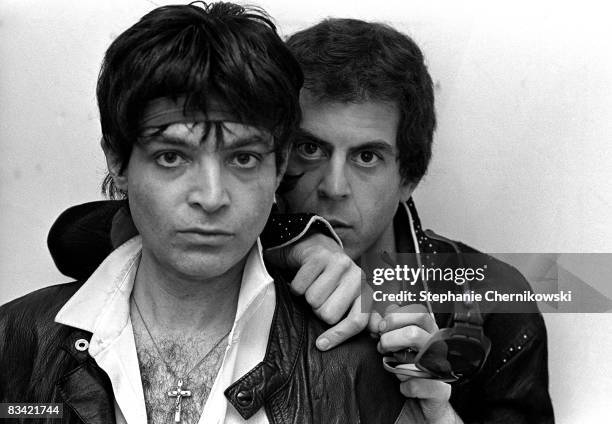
(353, 324)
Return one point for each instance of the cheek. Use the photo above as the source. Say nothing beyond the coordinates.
(377, 198)
(143, 208)
(150, 203)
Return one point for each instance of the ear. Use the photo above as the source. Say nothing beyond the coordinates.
(113, 162)
(406, 190)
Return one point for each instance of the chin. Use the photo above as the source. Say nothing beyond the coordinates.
(202, 267)
(203, 271)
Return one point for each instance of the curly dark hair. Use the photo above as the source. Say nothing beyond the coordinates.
(197, 51)
(349, 60)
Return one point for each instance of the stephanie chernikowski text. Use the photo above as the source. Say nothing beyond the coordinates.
(471, 296)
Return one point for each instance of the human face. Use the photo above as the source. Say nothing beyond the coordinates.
(200, 199)
(347, 154)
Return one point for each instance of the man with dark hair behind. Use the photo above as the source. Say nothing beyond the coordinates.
(363, 145)
(184, 322)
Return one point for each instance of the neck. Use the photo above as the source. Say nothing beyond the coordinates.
(183, 306)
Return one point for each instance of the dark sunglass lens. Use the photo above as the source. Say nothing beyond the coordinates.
(435, 359)
(452, 357)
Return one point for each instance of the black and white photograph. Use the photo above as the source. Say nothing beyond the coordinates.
(305, 212)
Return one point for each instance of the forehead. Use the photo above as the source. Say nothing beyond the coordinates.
(350, 124)
(218, 134)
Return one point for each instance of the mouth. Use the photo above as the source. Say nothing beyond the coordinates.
(205, 235)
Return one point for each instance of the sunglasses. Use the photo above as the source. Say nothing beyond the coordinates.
(451, 354)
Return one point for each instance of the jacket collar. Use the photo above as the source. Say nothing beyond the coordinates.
(85, 388)
(409, 235)
(102, 298)
(285, 343)
(100, 307)
(98, 301)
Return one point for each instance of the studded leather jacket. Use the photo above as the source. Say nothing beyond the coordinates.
(512, 387)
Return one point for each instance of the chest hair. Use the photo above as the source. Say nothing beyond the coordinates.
(182, 354)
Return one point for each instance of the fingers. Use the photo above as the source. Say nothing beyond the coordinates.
(305, 276)
(374, 323)
(433, 396)
(338, 303)
(423, 388)
(335, 288)
(405, 327)
(413, 314)
(354, 323)
(403, 338)
(306, 249)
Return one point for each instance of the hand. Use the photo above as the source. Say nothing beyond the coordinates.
(331, 284)
(410, 327)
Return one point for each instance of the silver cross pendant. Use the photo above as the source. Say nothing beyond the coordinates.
(179, 394)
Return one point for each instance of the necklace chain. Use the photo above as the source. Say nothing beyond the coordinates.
(170, 370)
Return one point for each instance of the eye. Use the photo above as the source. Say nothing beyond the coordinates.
(244, 160)
(170, 159)
(310, 151)
(367, 158)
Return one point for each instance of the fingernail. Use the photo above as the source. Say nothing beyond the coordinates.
(382, 326)
(323, 344)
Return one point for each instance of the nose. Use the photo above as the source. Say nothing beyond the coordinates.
(335, 184)
(206, 187)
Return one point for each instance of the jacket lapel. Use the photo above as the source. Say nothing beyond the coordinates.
(85, 388)
(285, 343)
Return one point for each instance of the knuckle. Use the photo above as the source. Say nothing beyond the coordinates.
(391, 320)
(355, 276)
(384, 342)
(374, 323)
(410, 332)
(298, 287)
(313, 298)
(342, 260)
(314, 255)
(326, 314)
(408, 388)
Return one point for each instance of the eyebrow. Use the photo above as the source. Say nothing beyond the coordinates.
(238, 143)
(248, 141)
(380, 145)
(165, 139)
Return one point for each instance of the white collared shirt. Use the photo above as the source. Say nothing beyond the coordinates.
(102, 307)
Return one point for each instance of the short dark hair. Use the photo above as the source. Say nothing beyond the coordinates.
(223, 50)
(349, 60)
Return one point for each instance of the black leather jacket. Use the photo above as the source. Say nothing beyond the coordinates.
(511, 388)
(295, 383)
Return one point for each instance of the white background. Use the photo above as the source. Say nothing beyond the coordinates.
(522, 159)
